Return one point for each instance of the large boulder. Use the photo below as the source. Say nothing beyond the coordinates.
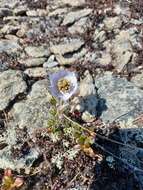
(34, 111)
(11, 85)
(9, 46)
(122, 99)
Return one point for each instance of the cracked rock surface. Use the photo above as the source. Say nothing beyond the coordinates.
(9, 46)
(122, 98)
(34, 111)
(99, 40)
(11, 85)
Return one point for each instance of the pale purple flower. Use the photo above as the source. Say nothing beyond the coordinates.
(63, 84)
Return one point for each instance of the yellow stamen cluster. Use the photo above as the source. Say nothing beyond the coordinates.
(63, 85)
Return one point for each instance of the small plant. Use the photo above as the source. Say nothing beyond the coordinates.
(63, 86)
(10, 182)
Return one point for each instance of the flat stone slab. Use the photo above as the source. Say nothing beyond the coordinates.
(33, 112)
(64, 48)
(36, 72)
(122, 99)
(11, 85)
(68, 52)
(9, 46)
(7, 160)
(39, 51)
(75, 16)
(138, 80)
(63, 3)
(30, 62)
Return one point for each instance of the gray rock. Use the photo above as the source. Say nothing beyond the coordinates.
(50, 62)
(11, 85)
(99, 36)
(92, 57)
(122, 50)
(7, 160)
(71, 48)
(9, 46)
(80, 26)
(3, 66)
(122, 10)
(73, 57)
(87, 117)
(87, 99)
(39, 51)
(20, 10)
(25, 160)
(32, 13)
(30, 62)
(135, 37)
(138, 80)
(123, 59)
(89, 104)
(38, 12)
(62, 49)
(106, 59)
(58, 11)
(107, 44)
(88, 94)
(12, 37)
(136, 22)
(73, 3)
(5, 12)
(36, 72)
(63, 3)
(12, 18)
(23, 30)
(71, 17)
(112, 23)
(122, 99)
(8, 29)
(132, 133)
(34, 111)
(128, 36)
(87, 87)
(110, 161)
(11, 4)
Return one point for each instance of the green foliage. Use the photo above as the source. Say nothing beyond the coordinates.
(8, 182)
(53, 101)
(64, 126)
(53, 121)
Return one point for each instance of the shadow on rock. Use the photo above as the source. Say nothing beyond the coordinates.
(101, 107)
(122, 168)
(93, 105)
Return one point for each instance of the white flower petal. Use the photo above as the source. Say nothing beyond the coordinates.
(70, 76)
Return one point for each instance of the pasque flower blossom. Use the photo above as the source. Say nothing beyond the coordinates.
(63, 84)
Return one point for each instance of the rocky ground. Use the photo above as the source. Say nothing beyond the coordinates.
(102, 41)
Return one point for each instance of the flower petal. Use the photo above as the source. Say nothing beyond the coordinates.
(56, 76)
(70, 76)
